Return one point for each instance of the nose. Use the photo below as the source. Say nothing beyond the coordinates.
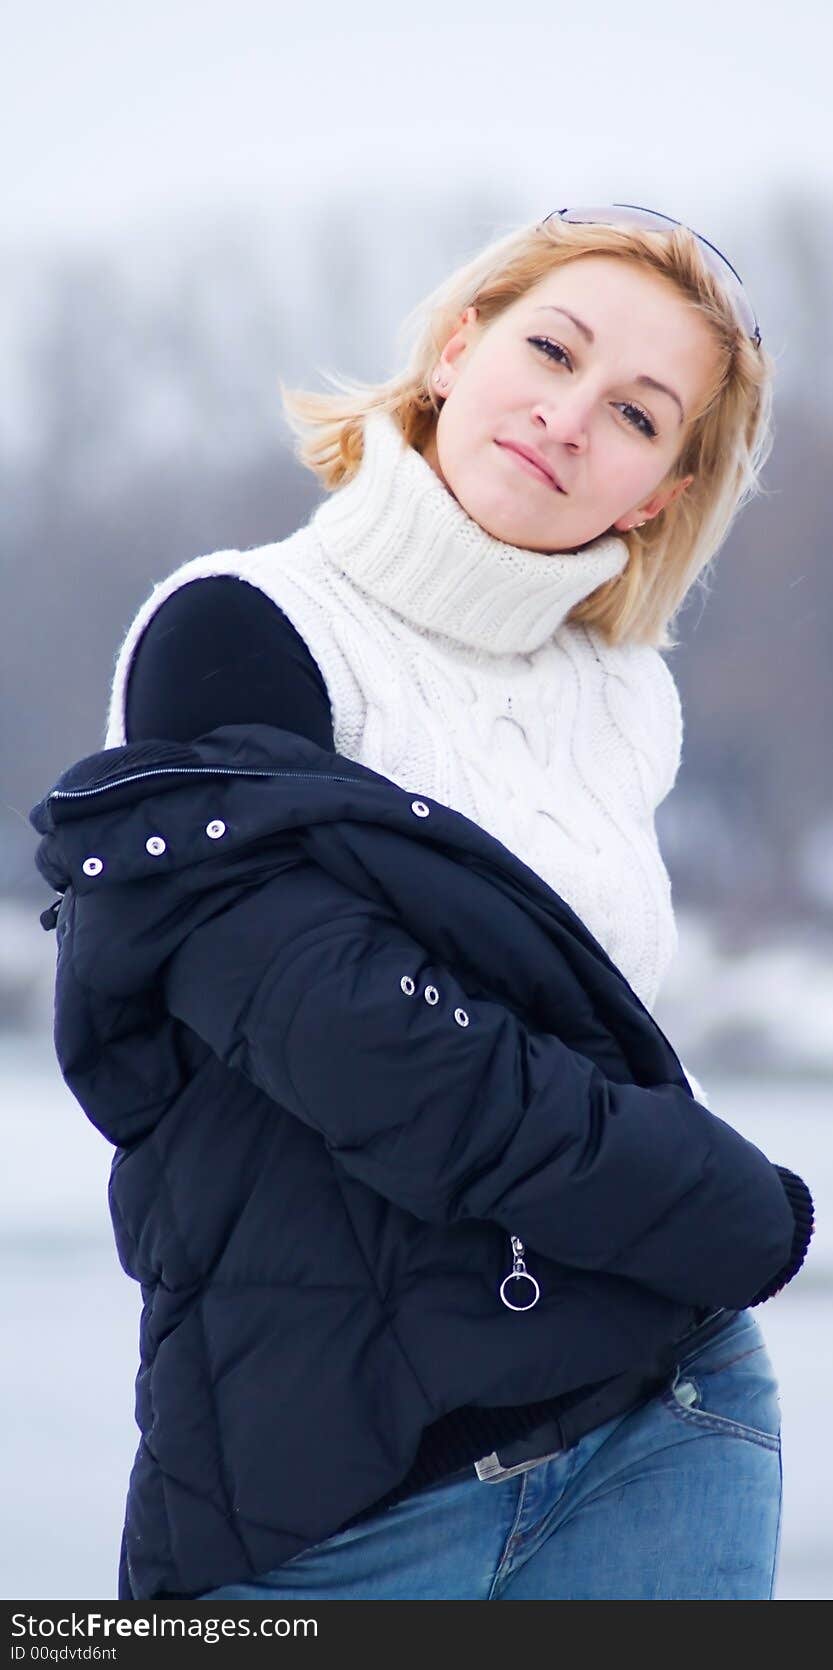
(566, 418)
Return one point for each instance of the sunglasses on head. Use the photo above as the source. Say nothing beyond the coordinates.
(630, 214)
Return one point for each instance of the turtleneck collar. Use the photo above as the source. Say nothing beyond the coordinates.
(398, 533)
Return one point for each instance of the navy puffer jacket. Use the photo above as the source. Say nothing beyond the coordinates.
(347, 1046)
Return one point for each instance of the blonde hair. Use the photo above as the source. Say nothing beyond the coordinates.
(725, 445)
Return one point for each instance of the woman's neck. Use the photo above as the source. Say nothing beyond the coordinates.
(399, 534)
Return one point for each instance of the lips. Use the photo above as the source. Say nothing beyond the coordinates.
(537, 464)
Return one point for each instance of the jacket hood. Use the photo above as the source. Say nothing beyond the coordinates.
(133, 832)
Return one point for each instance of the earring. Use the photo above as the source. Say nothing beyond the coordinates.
(439, 379)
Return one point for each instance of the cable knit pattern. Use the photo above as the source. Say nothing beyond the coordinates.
(452, 669)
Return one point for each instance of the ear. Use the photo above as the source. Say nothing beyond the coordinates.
(651, 507)
(458, 341)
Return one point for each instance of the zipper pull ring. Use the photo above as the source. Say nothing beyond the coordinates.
(519, 1272)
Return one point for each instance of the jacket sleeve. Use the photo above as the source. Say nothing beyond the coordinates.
(801, 1205)
(448, 1105)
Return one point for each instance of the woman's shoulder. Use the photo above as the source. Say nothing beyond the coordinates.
(215, 650)
(222, 608)
(238, 570)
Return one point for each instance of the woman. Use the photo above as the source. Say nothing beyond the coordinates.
(348, 1043)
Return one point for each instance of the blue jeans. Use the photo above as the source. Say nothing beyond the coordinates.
(680, 1499)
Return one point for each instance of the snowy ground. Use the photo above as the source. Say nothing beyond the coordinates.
(70, 1318)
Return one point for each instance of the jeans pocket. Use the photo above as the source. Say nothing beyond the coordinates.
(728, 1385)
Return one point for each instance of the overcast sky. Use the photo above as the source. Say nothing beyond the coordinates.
(112, 114)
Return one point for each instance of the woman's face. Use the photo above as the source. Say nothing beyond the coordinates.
(584, 393)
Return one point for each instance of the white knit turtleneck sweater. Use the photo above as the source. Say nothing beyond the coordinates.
(452, 670)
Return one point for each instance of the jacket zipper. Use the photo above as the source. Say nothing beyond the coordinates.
(518, 1272)
(193, 770)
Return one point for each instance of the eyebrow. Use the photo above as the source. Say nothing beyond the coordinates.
(644, 380)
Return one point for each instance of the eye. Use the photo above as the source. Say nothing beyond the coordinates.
(642, 422)
(551, 349)
(639, 419)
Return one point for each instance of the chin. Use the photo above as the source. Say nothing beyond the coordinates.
(506, 529)
(498, 520)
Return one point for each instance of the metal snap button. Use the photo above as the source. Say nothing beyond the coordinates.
(431, 994)
(420, 808)
(407, 985)
(215, 829)
(155, 845)
(461, 1017)
(92, 866)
